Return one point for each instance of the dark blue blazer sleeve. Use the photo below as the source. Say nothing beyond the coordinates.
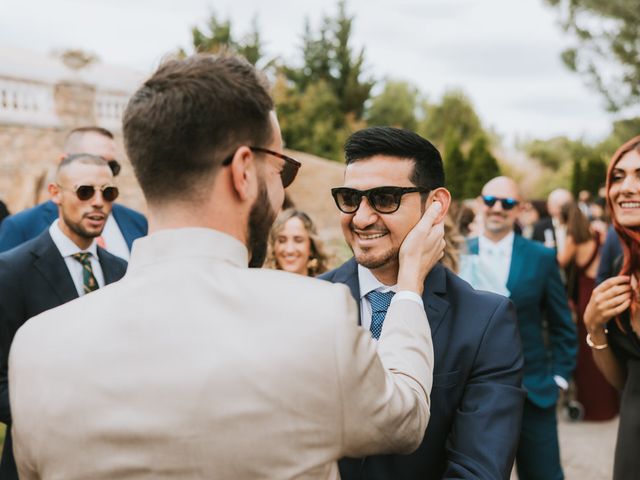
(132, 224)
(12, 234)
(484, 436)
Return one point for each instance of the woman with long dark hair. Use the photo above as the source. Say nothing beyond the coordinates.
(612, 317)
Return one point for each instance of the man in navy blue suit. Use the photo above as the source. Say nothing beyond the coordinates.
(531, 274)
(57, 266)
(124, 224)
(392, 175)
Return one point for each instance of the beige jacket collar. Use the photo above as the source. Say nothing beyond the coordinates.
(185, 243)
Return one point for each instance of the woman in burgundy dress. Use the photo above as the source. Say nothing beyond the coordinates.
(582, 246)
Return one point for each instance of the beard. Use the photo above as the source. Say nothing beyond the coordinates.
(371, 261)
(261, 218)
(78, 229)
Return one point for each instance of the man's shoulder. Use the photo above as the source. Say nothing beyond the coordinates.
(109, 260)
(45, 209)
(533, 250)
(25, 251)
(459, 290)
(120, 212)
(339, 274)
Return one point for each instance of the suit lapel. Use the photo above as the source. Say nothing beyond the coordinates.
(517, 264)
(473, 245)
(348, 275)
(436, 306)
(111, 270)
(50, 265)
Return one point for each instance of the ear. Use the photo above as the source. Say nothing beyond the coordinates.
(243, 173)
(55, 192)
(443, 196)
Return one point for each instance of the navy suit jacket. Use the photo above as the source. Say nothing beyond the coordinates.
(476, 400)
(34, 278)
(17, 229)
(538, 293)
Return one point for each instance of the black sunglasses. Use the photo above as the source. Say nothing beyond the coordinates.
(381, 199)
(289, 170)
(86, 192)
(507, 203)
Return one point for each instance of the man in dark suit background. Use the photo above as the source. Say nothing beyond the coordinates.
(532, 276)
(59, 265)
(123, 226)
(392, 175)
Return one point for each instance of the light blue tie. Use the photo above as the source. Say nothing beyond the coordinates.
(379, 305)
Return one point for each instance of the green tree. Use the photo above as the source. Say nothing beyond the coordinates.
(576, 177)
(454, 167)
(482, 167)
(217, 36)
(607, 46)
(329, 56)
(455, 114)
(595, 174)
(394, 106)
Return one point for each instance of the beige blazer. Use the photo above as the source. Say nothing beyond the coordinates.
(194, 366)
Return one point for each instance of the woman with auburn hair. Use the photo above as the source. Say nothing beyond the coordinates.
(612, 317)
(294, 245)
(582, 250)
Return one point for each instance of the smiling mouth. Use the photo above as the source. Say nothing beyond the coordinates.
(629, 204)
(370, 236)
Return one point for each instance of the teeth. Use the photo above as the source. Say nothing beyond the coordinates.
(371, 237)
(630, 204)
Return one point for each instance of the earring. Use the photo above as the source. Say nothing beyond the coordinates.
(312, 265)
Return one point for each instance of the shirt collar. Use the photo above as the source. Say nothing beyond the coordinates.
(65, 245)
(505, 245)
(369, 283)
(183, 243)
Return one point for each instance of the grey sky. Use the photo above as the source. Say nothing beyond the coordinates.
(503, 53)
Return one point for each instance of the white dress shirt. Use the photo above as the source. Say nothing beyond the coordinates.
(368, 283)
(114, 241)
(67, 248)
(498, 255)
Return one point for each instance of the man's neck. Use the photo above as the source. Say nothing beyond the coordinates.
(387, 274)
(495, 237)
(81, 242)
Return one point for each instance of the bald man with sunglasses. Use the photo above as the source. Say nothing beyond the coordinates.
(59, 265)
(531, 274)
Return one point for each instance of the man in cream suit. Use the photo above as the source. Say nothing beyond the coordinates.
(194, 366)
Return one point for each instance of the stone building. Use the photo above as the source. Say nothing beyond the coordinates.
(43, 97)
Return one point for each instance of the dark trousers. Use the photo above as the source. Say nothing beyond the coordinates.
(538, 456)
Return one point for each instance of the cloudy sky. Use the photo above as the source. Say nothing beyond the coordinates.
(503, 53)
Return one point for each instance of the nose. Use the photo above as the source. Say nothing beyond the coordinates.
(289, 246)
(365, 215)
(630, 184)
(496, 207)
(97, 200)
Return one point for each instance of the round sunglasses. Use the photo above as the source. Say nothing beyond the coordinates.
(86, 192)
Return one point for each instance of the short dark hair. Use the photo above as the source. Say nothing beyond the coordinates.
(90, 129)
(188, 117)
(396, 142)
(85, 158)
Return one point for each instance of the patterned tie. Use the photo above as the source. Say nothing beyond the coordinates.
(89, 282)
(379, 304)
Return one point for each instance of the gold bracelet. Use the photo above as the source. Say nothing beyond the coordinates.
(593, 345)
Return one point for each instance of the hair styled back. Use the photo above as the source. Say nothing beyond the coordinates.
(319, 259)
(191, 114)
(396, 142)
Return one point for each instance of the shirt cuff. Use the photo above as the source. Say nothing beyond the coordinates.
(561, 382)
(408, 295)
